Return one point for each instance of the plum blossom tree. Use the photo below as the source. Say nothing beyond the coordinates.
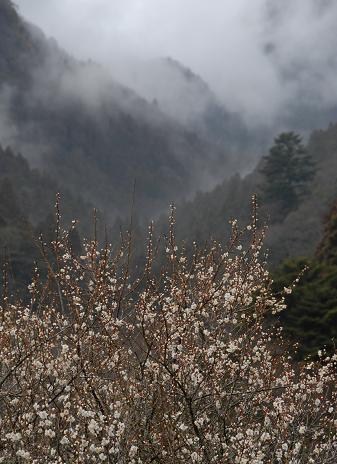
(103, 367)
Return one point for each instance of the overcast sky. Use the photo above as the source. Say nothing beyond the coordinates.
(252, 52)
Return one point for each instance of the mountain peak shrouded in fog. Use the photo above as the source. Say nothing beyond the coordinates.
(127, 113)
(94, 135)
(185, 97)
(133, 109)
(259, 58)
(174, 87)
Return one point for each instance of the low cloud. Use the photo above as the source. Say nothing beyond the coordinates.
(256, 56)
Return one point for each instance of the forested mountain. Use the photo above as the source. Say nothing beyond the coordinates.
(186, 97)
(27, 200)
(91, 138)
(36, 192)
(84, 135)
(94, 136)
(298, 232)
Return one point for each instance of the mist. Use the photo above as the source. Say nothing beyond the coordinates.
(256, 56)
(238, 73)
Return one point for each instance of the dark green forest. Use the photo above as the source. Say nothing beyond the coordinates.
(108, 148)
(311, 318)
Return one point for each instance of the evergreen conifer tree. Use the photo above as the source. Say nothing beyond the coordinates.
(287, 171)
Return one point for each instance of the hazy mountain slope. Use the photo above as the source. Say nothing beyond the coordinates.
(27, 199)
(17, 49)
(301, 230)
(36, 192)
(93, 135)
(187, 98)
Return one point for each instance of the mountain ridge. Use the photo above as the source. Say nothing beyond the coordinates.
(94, 135)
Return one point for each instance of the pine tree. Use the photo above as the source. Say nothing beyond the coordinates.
(287, 171)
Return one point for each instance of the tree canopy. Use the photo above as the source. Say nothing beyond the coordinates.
(287, 170)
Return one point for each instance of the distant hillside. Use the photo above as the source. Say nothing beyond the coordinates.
(35, 192)
(94, 136)
(17, 48)
(298, 234)
(187, 98)
(27, 200)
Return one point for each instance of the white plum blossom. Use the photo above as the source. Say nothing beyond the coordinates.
(109, 364)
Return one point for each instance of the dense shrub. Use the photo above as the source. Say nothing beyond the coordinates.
(182, 368)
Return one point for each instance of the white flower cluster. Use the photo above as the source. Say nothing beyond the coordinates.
(178, 370)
